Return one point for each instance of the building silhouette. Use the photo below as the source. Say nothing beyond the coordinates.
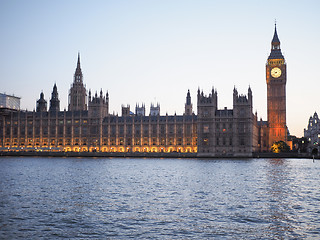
(312, 134)
(89, 126)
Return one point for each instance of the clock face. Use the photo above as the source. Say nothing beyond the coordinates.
(275, 72)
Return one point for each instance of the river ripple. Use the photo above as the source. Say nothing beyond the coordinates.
(101, 198)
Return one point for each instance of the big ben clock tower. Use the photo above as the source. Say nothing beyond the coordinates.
(276, 76)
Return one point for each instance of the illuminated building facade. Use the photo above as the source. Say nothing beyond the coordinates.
(88, 125)
(79, 129)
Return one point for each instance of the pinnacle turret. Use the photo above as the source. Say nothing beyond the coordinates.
(41, 104)
(54, 101)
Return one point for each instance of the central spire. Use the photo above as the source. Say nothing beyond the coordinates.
(78, 64)
(78, 73)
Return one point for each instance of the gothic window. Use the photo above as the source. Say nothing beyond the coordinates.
(206, 128)
(22, 129)
(154, 129)
(113, 130)
(145, 130)
(52, 130)
(37, 131)
(105, 130)
(76, 130)
(205, 113)
(171, 128)
(154, 141)
(61, 130)
(29, 131)
(68, 141)
(163, 129)
(121, 129)
(241, 127)
(129, 130)
(188, 129)
(15, 131)
(45, 131)
(94, 130)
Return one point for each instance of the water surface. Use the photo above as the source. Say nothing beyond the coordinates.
(118, 198)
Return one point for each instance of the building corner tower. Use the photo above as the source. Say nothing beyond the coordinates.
(276, 77)
(54, 101)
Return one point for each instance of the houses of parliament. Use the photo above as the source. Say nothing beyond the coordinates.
(88, 126)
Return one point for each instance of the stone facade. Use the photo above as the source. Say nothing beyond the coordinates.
(226, 132)
(312, 133)
(276, 78)
(213, 132)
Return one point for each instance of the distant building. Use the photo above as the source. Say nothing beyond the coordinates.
(312, 133)
(9, 102)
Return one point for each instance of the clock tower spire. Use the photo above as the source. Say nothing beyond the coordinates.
(276, 77)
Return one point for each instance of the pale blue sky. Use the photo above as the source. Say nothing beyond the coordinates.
(154, 51)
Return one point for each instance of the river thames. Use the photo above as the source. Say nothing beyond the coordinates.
(122, 198)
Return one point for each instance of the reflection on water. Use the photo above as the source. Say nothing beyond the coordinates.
(159, 198)
(278, 189)
(289, 208)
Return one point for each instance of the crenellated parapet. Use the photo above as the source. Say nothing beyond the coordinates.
(98, 105)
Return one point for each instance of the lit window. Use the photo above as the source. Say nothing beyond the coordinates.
(205, 128)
